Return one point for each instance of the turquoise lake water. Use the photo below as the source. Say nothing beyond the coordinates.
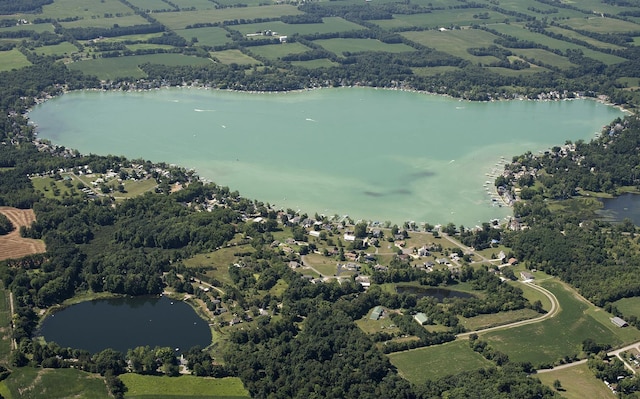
(372, 154)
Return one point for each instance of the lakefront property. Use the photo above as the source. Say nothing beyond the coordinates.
(231, 183)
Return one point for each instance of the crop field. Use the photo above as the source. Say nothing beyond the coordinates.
(544, 57)
(5, 325)
(112, 68)
(36, 383)
(575, 35)
(142, 387)
(64, 48)
(275, 51)
(601, 25)
(456, 42)
(211, 36)
(197, 4)
(312, 64)
(39, 28)
(151, 5)
(497, 319)
(179, 20)
(522, 6)
(102, 22)
(12, 245)
(440, 18)
(551, 339)
(234, 56)
(12, 59)
(84, 9)
(331, 24)
(341, 46)
(433, 362)
(148, 46)
(577, 382)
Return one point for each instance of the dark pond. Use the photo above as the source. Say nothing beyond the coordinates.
(439, 293)
(125, 323)
(625, 206)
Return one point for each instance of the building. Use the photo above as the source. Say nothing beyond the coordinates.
(619, 322)
(421, 318)
(376, 313)
(526, 276)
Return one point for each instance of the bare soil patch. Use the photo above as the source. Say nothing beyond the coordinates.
(13, 246)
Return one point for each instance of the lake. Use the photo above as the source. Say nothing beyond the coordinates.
(372, 154)
(625, 206)
(125, 323)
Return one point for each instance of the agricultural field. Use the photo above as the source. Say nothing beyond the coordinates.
(437, 361)
(180, 20)
(329, 24)
(234, 57)
(102, 22)
(491, 320)
(12, 59)
(342, 46)
(64, 48)
(276, 51)
(121, 67)
(151, 5)
(38, 28)
(212, 36)
(37, 383)
(84, 9)
(312, 64)
(575, 35)
(5, 325)
(195, 4)
(142, 387)
(601, 25)
(577, 382)
(551, 339)
(456, 42)
(440, 19)
(12, 245)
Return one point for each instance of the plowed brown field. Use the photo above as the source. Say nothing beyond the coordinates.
(12, 245)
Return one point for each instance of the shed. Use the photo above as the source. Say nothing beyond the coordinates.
(376, 313)
(421, 318)
(619, 322)
(526, 276)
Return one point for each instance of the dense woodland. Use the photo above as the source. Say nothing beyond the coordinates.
(309, 345)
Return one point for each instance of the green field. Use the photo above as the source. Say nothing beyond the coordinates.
(121, 67)
(217, 263)
(146, 387)
(549, 340)
(5, 326)
(179, 20)
(578, 382)
(497, 319)
(234, 57)
(629, 306)
(602, 25)
(101, 22)
(439, 18)
(84, 9)
(33, 383)
(197, 4)
(64, 48)
(544, 57)
(456, 42)
(438, 361)
(12, 59)
(39, 28)
(151, 5)
(329, 24)
(575, 35)
(341, 46)
(312, 64)
(212, 36)
(275, 51)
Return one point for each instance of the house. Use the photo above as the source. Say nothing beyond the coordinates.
(421, 318)
(513, 261)
(619, 322)
(314, 233)
(349, 237)
(424, 251)
(376, 313)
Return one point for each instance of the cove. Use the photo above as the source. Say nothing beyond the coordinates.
(125, 323)
(372, 154)
(625, 206)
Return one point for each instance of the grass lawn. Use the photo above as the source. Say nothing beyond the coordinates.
(340, 46)
(142, 386)
(134, 188)
(217, 263)
(122, 67)
(629, 306)
(324, 264)
(437, 361)
(12, 59)
(234, 57)
(28, 382)
(549, 340)
(578, 382)
(490, 320)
